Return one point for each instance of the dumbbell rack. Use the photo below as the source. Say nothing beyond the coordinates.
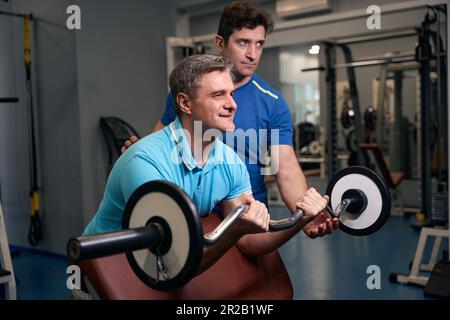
(6, 267)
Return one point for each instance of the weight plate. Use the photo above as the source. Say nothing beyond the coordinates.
(167, 201)
(378, 200)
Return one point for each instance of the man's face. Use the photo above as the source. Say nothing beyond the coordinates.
(244, 49)
(214, 104)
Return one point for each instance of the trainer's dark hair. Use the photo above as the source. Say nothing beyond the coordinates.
(237, 15)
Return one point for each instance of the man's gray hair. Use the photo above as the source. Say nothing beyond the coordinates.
(184, 78)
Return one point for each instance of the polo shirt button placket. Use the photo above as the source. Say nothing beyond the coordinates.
(199, 182)
(180, 148)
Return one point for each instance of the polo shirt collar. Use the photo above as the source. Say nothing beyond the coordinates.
(184, 150)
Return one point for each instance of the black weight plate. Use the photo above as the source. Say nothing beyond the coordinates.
(165, 200)
(378, 199)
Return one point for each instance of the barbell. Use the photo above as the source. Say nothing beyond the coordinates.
(162, 233)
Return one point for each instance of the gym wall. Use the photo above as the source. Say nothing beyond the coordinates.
(121, 72)
(55, 98)
(114, 65)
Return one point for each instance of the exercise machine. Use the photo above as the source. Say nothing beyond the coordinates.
(430, 49)
(115, 131)
(6, 268)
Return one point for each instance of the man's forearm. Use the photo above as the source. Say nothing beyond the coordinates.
(292, 184)
(263, 243)
(291, 187)
(290, 179)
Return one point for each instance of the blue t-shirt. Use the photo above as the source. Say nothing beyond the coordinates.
(166, 155)
(262, 118)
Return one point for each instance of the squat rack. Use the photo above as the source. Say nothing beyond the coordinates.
(423, 56)
(330, 86)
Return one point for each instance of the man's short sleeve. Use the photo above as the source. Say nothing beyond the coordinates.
(280, 125)
(137, 171)
(169, 113)
(240, 181)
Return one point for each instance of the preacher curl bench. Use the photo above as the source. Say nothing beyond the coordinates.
(234, 276)
(159, 248)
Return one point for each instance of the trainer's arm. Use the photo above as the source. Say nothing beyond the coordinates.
(289, 177)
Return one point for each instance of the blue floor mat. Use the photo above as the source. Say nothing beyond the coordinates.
(336, 266)
(40, 276)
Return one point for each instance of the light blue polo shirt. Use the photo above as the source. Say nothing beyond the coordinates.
(166, 155)
(260, 108)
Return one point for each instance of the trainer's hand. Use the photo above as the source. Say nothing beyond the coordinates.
(128, 143)
(322, 225)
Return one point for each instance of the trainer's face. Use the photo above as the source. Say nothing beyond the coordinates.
(244, 49)
(213, 103)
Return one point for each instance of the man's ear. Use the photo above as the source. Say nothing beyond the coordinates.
(184, 103)
(220, 43)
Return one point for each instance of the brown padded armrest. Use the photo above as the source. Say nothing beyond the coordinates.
(392, 179)
(233, 276)
(396, 177)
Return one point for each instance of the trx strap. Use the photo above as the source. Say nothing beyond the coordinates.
(35, 230)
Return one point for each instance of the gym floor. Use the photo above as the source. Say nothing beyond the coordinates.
(332, 267)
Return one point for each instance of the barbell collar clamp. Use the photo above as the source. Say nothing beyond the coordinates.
(340, 209)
